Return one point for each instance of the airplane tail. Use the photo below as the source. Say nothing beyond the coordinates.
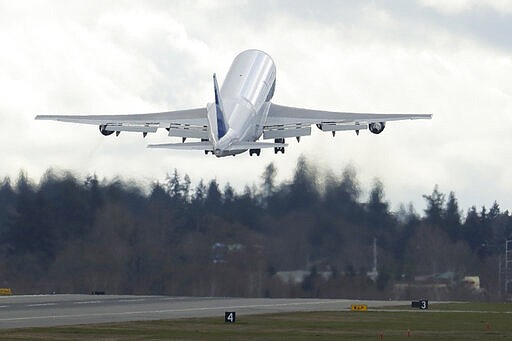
(219, 109)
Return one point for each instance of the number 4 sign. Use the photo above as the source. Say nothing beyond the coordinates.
(230, 317)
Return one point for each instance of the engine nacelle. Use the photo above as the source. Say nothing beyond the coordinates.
(377, 127)
(104, 131)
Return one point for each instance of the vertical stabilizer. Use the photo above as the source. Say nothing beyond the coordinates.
(221, 118)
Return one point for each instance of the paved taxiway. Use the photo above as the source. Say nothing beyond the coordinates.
(56, 310)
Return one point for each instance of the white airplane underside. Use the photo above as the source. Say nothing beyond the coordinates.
(241, 114)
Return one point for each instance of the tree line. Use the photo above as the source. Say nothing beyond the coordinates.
(71, 235)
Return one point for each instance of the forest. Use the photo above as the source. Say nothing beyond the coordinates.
(70, 235)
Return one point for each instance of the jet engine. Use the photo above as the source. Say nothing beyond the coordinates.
(104, 131)
(377, 127)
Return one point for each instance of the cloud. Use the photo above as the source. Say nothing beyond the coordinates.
(460, 6)
(401, 56)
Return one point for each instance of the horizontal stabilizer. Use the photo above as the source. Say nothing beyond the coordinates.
(256, 145)
(205, 145)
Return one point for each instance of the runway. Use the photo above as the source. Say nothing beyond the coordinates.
(58, 310)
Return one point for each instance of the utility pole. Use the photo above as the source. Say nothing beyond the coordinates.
(508, 268)
(374, 273)
(375, 255)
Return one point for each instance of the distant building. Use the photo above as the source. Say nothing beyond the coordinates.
(221, 250)
(298, 276)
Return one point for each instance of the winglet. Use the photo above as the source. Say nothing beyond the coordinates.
(221, 119)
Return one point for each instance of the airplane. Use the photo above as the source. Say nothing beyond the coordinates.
(241, 114)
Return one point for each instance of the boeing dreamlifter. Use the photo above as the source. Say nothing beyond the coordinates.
(241, 114)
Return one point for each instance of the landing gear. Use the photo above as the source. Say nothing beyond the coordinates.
(279, 149)
(254, 151)
(206, 151)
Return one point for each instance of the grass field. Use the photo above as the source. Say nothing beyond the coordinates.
(453, 321)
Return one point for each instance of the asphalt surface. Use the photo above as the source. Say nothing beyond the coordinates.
(58, 310)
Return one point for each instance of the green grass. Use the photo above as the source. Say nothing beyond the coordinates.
(483, 307)
(443, 322)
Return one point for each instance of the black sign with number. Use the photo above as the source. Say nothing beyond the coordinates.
(230, 317)
(423, 304)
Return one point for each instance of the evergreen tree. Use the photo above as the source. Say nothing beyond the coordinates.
(200, 194)
(475, 232)
(185, 188)
(376, 203)
(174, 187)
(494, 212)
(451, 217)
(213, 198)
(27, 236)
(159, 194)
(341, 196)
(7, 198)
(269, 177)
(303, 192)
(435, 207)
(229, 194)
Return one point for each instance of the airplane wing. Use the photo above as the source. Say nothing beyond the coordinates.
(283, 121)
(183, 123)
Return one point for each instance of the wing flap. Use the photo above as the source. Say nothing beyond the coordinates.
(285, 131)
(283, 115)
(342, 126)
(133, 128)
(188, 130)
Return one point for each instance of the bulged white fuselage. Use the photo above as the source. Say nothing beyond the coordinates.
(246, 94)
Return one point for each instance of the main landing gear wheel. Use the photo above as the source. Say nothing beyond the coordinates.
(279, 149)
(254, 151)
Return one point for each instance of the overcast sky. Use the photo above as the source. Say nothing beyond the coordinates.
(450, 58)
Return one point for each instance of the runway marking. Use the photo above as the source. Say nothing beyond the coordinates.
(169, 310)
(132, 300)
(87, 302)
(3, 306)
(40, 304)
